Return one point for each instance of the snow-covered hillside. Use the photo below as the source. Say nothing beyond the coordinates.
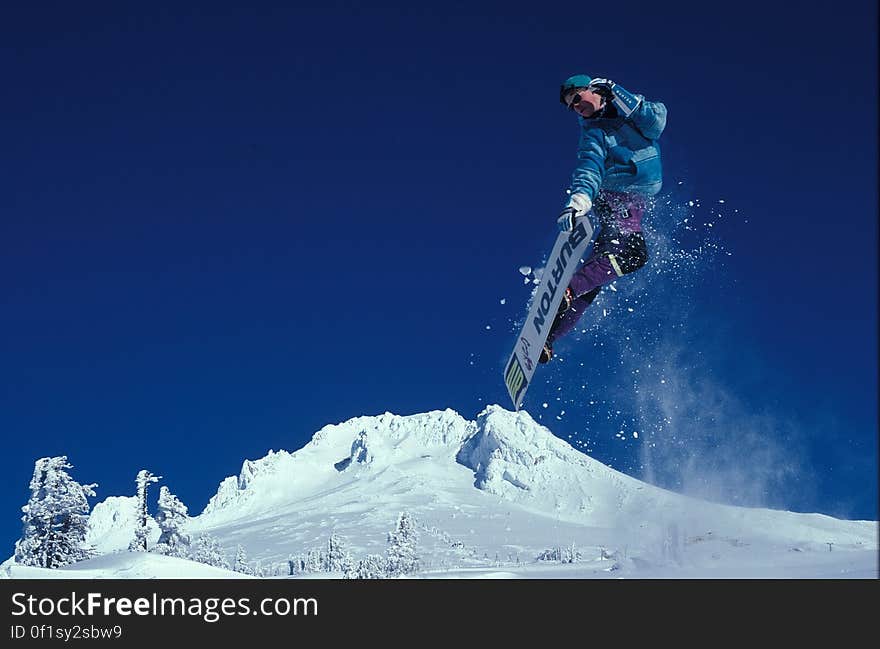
(123, 565)
(491, 495)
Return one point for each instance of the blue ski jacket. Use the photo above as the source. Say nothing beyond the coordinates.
(620, 153)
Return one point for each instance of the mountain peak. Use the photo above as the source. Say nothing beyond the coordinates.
(509, 454)
(383, 440)
(503, 473)
(428, 429)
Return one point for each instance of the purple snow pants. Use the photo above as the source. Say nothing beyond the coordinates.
(619, 249)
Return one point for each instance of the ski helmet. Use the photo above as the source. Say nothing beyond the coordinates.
(576, 81)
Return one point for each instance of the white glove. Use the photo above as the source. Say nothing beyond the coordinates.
(625, 101)
(578, 206)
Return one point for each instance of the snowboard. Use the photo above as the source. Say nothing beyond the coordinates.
(565, 258)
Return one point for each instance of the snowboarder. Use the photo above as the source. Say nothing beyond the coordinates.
(618, 172)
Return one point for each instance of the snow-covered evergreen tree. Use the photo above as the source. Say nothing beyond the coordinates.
(141, 531)
(571, 554)
(348, 565)
(259, 569)
(314, 561)
(402, 558)
(373, 566)
(241, 563)
(207, 549)
(171, 515)
(563, 555)
(337, 555)
(351, 571)
(55, 517)
(550, 554)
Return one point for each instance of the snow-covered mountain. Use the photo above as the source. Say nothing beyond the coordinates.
(491, 495)
(111, 524)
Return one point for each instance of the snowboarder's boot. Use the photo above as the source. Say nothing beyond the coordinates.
(567, 299)
(565, 305)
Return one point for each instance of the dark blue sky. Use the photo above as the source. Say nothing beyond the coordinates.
(222, 228)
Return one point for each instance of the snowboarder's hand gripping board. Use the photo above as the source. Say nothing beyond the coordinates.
(578, 206)
(571, 247)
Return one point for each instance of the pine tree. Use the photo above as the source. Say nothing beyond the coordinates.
(314, 561)
(348, 566)
(171, 515)
(141, 531)
(208, 550)
(337, 554)
(241, 563)
(571, 554)
(372, 567)
(55, 517)
(351, 571)
(402, 558)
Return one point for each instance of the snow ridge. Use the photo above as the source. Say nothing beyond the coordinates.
(336, 447)
(501, 488)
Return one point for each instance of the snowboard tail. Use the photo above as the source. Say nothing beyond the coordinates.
(568, 251)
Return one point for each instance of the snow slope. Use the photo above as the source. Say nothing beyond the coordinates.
(488, 497)
(123, 565)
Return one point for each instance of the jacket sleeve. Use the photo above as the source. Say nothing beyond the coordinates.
(649, 118)
(592, 151)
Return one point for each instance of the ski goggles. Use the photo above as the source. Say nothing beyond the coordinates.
(575, 100)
